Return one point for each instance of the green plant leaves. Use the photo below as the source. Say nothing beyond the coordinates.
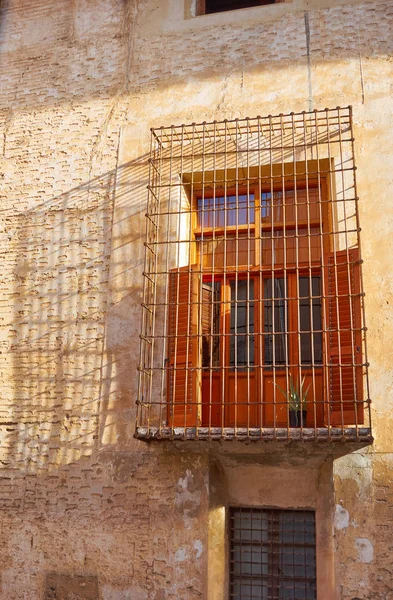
(296, 396)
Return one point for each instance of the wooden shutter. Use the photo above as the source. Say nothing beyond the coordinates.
(183, 349)
(344, 339)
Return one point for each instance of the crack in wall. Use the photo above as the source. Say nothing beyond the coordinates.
(307, 30)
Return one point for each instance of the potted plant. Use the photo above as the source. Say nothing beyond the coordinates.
(296, 397)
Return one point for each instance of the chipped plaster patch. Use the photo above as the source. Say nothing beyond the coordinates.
(358, 468)
(181, 555)
(341, 517)
(365, 550)
(188, 498)
(198, 546)
(356, 460)
(183, 482)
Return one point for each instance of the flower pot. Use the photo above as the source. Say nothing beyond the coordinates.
(297, 418)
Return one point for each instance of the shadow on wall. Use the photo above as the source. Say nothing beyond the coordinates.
(65, 391)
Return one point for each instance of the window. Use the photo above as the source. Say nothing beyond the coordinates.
(272, 554)
(262, 250)
(216, 6)
(261, 253)
(252, 278)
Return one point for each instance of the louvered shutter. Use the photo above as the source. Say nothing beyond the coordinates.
(344, 339)
(183, 349)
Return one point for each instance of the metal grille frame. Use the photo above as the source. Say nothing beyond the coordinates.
(301, 165)
(272, 554)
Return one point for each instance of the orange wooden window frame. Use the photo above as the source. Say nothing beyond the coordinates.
(179, 414)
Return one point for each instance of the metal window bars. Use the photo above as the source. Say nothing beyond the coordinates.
(272, 554)
(253, 307)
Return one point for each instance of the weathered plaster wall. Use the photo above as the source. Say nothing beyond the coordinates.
(82, 82)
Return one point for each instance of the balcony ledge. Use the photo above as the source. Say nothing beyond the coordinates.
(360, 435)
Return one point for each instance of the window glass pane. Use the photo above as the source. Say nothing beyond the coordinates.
(275, 322)
(241, 208)
(210, 212)
(310, 312)
(242, 323)
(247, 589)
(210, 324)
(229, 211)
(266, 203)
(271, 207)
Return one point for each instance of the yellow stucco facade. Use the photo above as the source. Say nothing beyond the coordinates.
(85, 507)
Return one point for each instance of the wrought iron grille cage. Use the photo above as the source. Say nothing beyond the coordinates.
(253, 307)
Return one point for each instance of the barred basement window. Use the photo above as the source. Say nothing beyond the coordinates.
(214, 6)
(253, 316)
(272, 554)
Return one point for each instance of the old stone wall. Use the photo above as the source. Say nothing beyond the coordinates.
(85, 508)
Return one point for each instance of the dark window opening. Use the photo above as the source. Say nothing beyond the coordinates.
(287, 303)
(215, 6)
(242, 324)
(272, 554)
(276, 320)
(310, 317)
(211, 303)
